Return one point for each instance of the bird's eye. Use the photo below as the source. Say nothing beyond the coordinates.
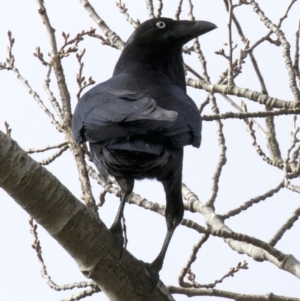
(160, 24)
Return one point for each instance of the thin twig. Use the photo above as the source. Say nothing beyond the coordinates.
(191, 259)
(245, 115)
(257, 147)
(239, 108)
(192, 292)
(222, 157)
(43, 149)
(82, 294)
(197, 47)
(81, 81)
(232, 271)
(124, 11)
(159, 9)
(230, 68)
(50, 94)
(190, 12)
(8, 130)
(286, 48)
(267, 36)
(286, 162)
(178, 10)
(253, 201)
(286, 226)
(54, 156)
(116, 40)
(77, 39)
(150, 8)
(36, 245)
(296, 57)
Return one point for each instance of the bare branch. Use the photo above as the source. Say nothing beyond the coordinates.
(192, 292)
(124, 11)
(150, 8)
(40, 56)
(230, 68)
(201, 108)
(116, 40)
(192, 259)
(178, 10)
(286, 13)
(67, 113)
(7, 129)
(222, 157)
(243, 92)
(239, 108)
(241, 243)
(258, 149)
(10, 65)
(83, 294)
(267, 36)
(190, 12)
(296, 58)
(286, 48)
(43, 149)
(295, 173)
(232, 271)
(54, 156)
(82, 83)
(253, 201)
(38, 249)
(159, 9)
(245, 115)
(190, 69)
(50, 94)
(286, 226)
(56, 63)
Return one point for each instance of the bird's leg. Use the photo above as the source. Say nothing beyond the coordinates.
(126, 186)
(157, 264)
(174, 214)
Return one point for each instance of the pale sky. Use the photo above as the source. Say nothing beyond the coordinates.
(245, 175)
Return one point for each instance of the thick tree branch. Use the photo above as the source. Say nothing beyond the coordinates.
(75, 227)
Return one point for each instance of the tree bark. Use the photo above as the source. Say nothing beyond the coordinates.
(77, 229)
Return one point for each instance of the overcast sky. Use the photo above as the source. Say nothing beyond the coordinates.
(245, 174)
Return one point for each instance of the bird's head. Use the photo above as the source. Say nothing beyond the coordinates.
(160, 34)
(156, 45)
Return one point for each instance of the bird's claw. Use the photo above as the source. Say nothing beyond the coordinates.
(154, 274)
(116, 230)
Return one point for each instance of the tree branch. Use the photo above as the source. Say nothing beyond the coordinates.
(193, 292)
(66, 110)
(116, 40)
(243, 92)
(78, 231)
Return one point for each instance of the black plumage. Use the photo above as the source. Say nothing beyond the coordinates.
(138, 121)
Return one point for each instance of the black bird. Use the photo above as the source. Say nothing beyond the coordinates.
(138, 121)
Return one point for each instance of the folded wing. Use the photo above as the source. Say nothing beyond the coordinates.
(108, 114)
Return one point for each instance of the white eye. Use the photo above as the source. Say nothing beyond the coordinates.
(160, 24)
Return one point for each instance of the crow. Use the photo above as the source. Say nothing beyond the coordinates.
(139, 120)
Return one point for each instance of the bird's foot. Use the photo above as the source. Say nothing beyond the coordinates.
(116, 230)
(153, 269)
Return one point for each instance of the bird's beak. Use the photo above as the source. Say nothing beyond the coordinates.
(187, 30)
